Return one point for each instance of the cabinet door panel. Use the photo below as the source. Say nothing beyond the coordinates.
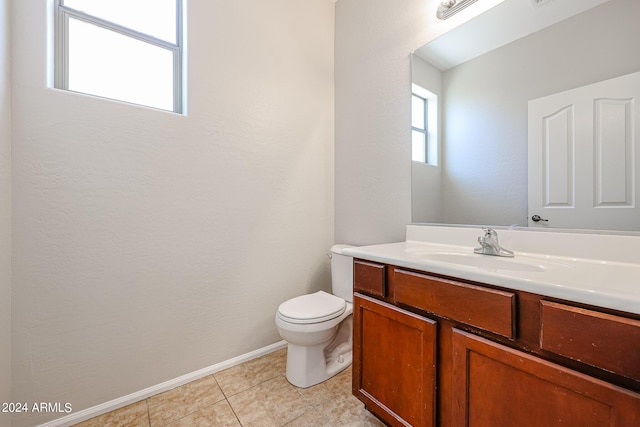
(501, 386)
(394, 362)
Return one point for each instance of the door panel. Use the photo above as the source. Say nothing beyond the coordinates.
(584, 156)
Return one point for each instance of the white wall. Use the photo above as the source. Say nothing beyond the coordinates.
(148, 245)
(5, 211)
(374, 39)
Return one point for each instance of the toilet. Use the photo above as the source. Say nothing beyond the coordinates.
(318, 327)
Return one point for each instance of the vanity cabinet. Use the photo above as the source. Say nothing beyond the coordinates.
(432, 350)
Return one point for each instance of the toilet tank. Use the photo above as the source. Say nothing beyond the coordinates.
(341, 273)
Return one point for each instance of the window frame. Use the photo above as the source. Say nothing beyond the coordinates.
(425, 129)
(63, 13)
(431, 125)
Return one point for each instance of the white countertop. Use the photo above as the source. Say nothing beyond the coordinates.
(599, 282)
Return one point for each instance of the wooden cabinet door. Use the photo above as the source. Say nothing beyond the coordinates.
(394, 363)
(500, 386)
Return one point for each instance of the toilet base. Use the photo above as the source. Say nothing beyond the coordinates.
(311, 365)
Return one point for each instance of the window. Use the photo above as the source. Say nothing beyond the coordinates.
(127, 50)
(419, 109)
(424, 125)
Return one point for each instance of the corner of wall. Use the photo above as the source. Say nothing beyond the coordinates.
(5, 211)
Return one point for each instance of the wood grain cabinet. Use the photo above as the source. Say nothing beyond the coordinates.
(499, 386)
(439, 351)
(394, 362)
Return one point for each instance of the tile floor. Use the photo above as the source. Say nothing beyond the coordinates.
(255, 393)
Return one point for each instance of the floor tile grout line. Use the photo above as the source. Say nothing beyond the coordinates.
(226, 399)
(146, 401)
(248, 388)
(234, 412)
(188, 413)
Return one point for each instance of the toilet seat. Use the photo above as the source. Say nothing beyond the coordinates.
(312, 308)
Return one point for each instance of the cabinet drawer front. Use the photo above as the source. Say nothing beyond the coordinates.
(603, 340)
(369, 278)
(485, 308)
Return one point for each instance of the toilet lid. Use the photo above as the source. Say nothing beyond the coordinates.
(312, 308)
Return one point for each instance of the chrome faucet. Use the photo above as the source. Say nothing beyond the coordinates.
(489, 244)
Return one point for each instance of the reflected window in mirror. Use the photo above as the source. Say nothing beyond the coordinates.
(424, 114)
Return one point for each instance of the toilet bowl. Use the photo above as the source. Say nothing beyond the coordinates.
(318, 327)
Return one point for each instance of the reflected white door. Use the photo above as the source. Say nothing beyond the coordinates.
(584, 157)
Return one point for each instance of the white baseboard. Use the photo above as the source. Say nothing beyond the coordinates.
(120, 402)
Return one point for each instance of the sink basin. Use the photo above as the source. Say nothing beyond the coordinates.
(466, 257)
(484, 261)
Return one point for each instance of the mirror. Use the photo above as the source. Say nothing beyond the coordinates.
(483, 74)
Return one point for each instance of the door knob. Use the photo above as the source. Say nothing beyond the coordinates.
(537, 218)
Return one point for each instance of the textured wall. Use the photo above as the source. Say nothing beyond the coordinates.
(373, 79)
(147, 244)
(5, 212)
(374, 39)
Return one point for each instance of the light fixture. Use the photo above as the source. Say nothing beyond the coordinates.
(537, 3)
(448, 8)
